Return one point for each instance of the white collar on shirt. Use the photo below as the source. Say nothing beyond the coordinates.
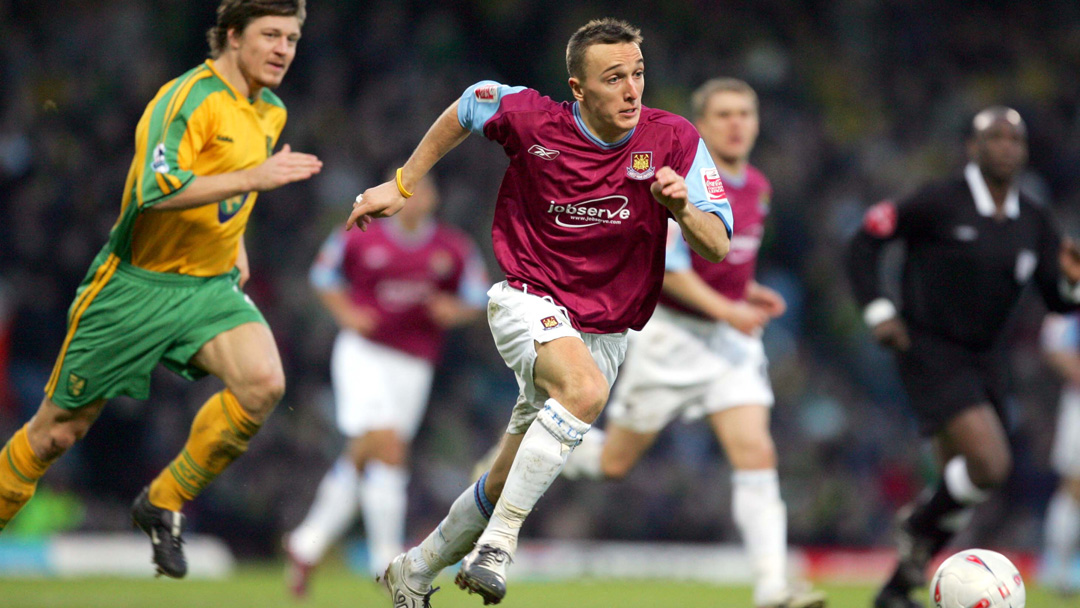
(981, 193)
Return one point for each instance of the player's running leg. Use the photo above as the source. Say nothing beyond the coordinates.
(246, 359)
(565, 371)
(759, 512)
(34, 447)
(383, 496)
(335, 506)
(607, 454)
(409, 576)
(1062, 533)
(977, 458)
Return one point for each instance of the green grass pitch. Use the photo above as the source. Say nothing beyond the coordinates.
(263, 587)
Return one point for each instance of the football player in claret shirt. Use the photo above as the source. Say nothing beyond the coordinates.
(580, 230)
(974, 243)
(701, 355)
(394, 291)
(166, 286)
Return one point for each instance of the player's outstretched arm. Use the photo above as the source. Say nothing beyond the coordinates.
(387, 199)
(284, 167)
(704, 232)
(688, 287)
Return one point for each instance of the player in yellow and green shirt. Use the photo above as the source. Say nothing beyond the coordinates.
(166, 287)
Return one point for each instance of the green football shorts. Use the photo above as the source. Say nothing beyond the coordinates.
(125, 320)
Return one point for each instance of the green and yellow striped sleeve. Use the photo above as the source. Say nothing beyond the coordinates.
(174, 134)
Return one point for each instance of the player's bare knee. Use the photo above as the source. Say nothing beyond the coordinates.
(753, 453)
(392, 451)
(587, 399)
(990, 470)
(615, 468)
(261, 393)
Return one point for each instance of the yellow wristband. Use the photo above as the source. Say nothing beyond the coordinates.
(401, 187)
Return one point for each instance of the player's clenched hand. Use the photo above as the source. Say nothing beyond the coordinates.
(765, 298)
(282, 168)
(383, 200)
(444, 309)
(669, 189)
(892, 333)
(747, 318)
(1070, 260)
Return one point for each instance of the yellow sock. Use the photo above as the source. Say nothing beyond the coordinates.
(20, 470)
(219, 434)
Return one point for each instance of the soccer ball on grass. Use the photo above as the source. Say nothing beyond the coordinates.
(977, 578)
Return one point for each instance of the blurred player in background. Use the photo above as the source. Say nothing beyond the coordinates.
(973, 243)
(701, 354)
(580, 228)
(166, 286)
(393, 291)
(1061, 345)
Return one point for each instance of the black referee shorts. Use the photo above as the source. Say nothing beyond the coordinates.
(943, 378)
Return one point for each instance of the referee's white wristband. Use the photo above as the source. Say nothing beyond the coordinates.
(878, 311)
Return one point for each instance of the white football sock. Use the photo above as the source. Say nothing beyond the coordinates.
(585, 462)
(959, 484)
(383, 500)
(329, 516)
(1062, 532)
(761, 517)
(452, 539)
(539, 459)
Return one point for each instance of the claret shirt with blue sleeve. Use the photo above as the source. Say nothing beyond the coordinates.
(574, 218)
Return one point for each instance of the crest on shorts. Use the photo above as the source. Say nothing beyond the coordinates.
(640, 166)
(550, 322)
(76, 384)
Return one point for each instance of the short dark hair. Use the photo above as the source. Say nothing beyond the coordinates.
(237, 14)
(597, 31)
(700, 99)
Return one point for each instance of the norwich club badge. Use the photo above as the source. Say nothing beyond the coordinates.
(641, 166)
(76, 385)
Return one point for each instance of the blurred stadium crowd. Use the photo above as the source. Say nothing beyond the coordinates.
(860, 100)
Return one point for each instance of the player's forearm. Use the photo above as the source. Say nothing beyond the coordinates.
(690, 290)
(207, 189)
(444, 135)
(705, 232)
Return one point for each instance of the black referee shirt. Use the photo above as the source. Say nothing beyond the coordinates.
(964, 270)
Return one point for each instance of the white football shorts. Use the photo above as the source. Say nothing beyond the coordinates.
(518, 320)
(1065, 454)
(682, 365)
(377, 387)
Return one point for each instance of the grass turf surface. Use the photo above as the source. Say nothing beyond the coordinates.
(263, 587)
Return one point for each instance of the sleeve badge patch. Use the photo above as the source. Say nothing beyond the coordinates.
(880, 220)
(714, 187)
(550, 322)
(160, 164)
(489, 93)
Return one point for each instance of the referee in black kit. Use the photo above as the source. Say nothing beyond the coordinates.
(973, 243)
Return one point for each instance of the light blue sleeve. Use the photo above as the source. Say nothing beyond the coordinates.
(705, 188)
(325, 273)
(474, 282)
(678, 251)
(480, 102)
